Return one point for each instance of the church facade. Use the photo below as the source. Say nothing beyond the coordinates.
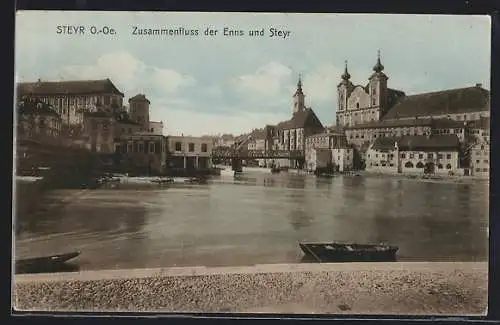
(374, 111)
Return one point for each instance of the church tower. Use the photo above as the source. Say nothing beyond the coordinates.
(298, 98)
(139, 110)
(377, 88)
(344, 89)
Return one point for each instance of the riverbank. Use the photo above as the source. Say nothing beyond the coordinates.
(419, 178)
(350, 288)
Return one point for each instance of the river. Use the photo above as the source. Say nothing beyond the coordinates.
(257, 219)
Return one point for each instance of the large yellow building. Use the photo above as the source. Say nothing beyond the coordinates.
(71, 99)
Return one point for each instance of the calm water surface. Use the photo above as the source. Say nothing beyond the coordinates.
(256, 219)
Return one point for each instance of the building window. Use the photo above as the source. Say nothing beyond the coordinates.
(152, 130)
(478, 170)
(357, 105)
(448, 156)
(485, 161)
(440, 156)
(448, 166)
(485, 169)
(106, 100)
(420, 165)
(191, 147)
(140, 147)
(440, 166)
(430, 156)
(151, 147)
(412, 156)
(403, 155)
(204, 147)
(178, 146)
(409, 164)
(477, 161)
(420, 156)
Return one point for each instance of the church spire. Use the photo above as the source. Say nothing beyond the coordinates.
(298, 97)
(378, 66)
(346, 76)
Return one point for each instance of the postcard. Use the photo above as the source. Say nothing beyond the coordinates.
(251, 163)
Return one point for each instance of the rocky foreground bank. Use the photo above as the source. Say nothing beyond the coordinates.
(359, 288)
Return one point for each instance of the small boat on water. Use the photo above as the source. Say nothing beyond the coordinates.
(196, 180)
(45, 263)
(349, 252)
(325, 175)
(162, 181)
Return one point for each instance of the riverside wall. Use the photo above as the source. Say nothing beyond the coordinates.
(349, 288)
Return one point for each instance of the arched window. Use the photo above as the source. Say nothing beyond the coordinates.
(420, 165)
(448, 166)
(409, 164)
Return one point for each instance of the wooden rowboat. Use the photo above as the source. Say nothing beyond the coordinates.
(45, 263)
(349, 252)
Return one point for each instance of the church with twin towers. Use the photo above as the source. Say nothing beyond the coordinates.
(374, 109)
(367, 114)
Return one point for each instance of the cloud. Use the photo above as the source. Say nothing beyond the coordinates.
(239, 79)
(320, 85)
(170, 80)
(185, 122)
(268, 80)
(130, 74)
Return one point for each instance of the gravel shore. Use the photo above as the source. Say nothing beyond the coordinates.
(350, 288)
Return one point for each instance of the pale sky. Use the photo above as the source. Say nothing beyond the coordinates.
(230, 84)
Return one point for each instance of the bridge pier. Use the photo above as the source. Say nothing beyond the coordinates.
(236, 164)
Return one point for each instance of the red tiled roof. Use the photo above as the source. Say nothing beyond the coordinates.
(139, 98)
(452, 101)
(418, 142)
(75, 87)
(415, 142)
(301, 119)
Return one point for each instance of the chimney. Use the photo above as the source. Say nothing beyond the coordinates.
(479, 85)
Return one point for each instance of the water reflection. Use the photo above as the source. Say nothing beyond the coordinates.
(257, 218)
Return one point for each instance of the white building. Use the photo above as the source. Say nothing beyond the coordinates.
(340, 154)
(156, 127)
(225, 140)
(187, 152)
(343, 158)
(415, 155)
(480, 159)
(318, 158)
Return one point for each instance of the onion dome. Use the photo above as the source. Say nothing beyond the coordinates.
(378, 66)
(346, 76)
